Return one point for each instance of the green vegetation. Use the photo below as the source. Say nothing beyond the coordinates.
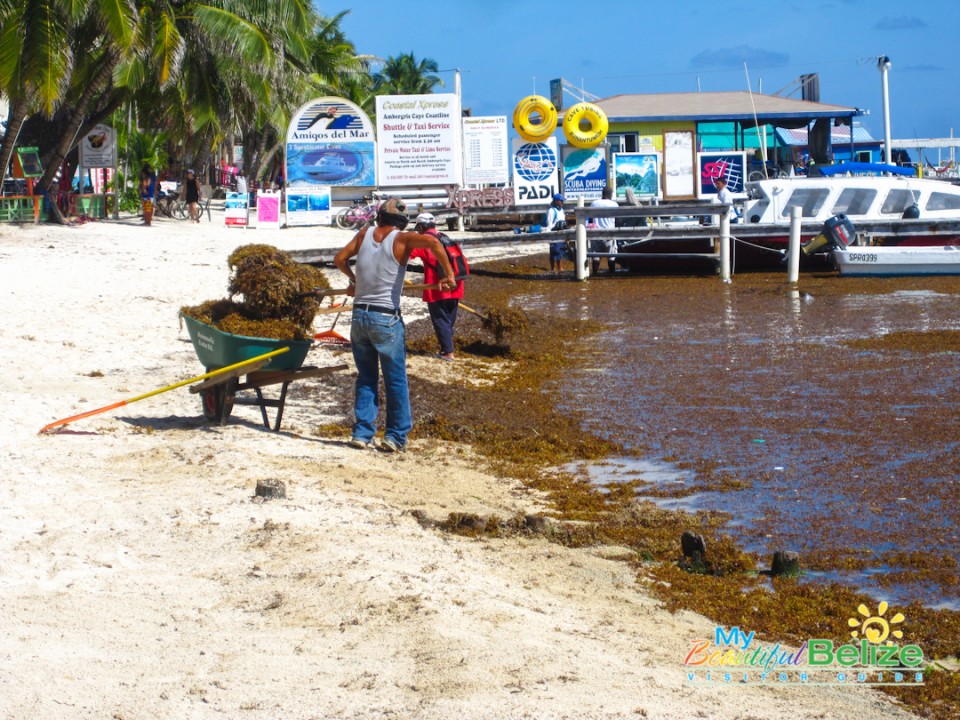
(190, 77)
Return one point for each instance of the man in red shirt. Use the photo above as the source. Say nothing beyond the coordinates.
(442, 304)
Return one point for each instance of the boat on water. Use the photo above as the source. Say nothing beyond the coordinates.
(895, 209)
(860, 261)
(839, 236)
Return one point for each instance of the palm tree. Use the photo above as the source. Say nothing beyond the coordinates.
(403, 75)
(34, 63)
(332, 63)
(199, 70)
(69, 51)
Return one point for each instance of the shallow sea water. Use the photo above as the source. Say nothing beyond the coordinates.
(841, 449)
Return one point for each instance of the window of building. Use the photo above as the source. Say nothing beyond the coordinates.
(854, 201)
(624, 142)
(810, 199)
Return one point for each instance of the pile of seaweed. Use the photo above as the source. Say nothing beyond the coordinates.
(270, 296)
(502, 321)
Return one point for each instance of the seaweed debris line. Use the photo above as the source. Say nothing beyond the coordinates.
(278, 300)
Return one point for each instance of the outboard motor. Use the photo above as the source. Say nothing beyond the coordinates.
(837, 232)
(911, 213)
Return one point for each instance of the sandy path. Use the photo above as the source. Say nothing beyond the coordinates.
(139, 578)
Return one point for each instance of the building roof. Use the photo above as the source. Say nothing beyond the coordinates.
(839, 135)
(739, 106)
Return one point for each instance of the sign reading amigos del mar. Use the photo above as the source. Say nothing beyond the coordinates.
(330, 142)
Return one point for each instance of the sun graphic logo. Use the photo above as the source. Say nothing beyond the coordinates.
(876, 628)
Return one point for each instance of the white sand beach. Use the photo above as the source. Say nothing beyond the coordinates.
(139, 577)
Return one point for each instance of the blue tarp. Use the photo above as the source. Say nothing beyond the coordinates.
(860, 167)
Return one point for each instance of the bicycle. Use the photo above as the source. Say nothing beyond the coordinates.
(171, 206)
(361, 213)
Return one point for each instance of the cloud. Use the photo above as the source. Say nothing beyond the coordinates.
(734, 57)
(903, 22)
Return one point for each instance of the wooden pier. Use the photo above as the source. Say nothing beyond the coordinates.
(655, 240)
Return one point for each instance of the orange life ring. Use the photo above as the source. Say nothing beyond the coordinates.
(522, 114)
(591, 137)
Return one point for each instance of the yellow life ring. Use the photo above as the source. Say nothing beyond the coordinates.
(585, 138)
(524, 111)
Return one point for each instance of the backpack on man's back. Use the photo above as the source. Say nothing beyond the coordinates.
(455, 255)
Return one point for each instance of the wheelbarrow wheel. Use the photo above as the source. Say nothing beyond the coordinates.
(217, 402)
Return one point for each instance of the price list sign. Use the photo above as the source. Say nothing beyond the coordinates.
(485, 157)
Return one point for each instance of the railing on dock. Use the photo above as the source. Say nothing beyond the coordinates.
(650, 211)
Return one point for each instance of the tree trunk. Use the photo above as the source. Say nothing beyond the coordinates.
(15, 119)
(256, 164)
(101, 115)
(268, 159)
(203, 154)
(71, 131)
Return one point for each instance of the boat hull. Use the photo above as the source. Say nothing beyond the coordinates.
(898, 261)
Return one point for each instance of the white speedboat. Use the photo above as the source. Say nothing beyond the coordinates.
(860, 198)
(893, 260)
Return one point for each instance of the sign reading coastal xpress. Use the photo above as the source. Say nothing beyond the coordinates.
(485, 156)
(419, 140)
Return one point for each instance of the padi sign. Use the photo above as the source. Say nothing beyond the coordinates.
(535, 171)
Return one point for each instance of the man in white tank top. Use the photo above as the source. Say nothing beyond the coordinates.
(377, 334)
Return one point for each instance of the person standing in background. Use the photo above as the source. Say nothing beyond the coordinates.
(442, 304)
(148, 193)
(192, 195)
(725, 197)
(241, 182)
(605, 245)
(556, 219)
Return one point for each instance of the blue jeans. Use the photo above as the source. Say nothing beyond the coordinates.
(377, 340)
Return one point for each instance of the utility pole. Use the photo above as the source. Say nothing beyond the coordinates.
(883, 65)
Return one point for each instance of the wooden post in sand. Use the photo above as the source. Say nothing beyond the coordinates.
(793, 252)
(581, 243)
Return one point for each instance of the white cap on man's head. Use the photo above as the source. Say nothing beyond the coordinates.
(426, 219)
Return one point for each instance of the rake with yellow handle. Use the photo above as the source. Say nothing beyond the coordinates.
(258, 361)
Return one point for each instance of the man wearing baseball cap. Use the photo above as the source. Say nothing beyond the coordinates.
(377, 333)
(556, 219)
(442, 304)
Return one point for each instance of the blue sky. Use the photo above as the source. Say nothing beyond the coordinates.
(506, 49)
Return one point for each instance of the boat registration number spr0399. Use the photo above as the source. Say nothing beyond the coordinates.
(863, 257)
